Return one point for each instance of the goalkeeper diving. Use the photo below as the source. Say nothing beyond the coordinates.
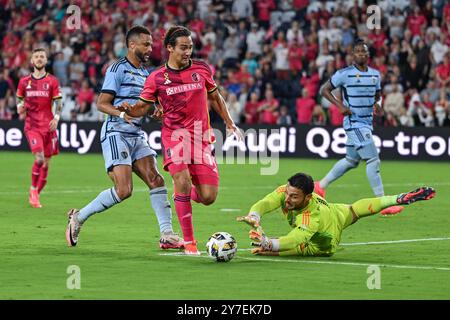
(317, 225)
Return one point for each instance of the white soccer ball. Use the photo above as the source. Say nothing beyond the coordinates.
(221, 246)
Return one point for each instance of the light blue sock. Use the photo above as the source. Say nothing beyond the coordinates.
(161, 205)
(338, 170)
(105, 200)
(373, 174)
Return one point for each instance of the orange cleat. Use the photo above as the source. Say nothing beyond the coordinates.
(33, 198)
(190, 248)
(390, 211)
(317, 189)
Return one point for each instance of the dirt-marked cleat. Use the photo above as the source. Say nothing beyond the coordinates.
(170, 240)
(73, 228)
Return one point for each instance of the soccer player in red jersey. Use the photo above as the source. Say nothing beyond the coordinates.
(35, 95)
(182, 87)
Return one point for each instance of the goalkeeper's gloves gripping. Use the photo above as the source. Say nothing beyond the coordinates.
(260, 240)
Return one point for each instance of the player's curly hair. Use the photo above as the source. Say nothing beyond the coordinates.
(303, 182)
(173, 33)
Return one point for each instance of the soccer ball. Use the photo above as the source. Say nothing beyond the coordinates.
(221, 246)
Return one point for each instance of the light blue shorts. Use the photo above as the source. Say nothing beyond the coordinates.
(360, 144)
(119, 149)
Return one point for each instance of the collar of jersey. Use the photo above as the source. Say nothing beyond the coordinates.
(46, 74)
(178, 70)
(354, 65)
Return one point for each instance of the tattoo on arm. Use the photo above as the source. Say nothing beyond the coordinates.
(58, 106)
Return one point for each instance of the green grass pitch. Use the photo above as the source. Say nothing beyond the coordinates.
(119, 257)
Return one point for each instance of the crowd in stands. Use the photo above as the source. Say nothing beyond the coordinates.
(270, 57)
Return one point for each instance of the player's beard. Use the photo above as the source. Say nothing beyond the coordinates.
(142, 57)
(39, 68)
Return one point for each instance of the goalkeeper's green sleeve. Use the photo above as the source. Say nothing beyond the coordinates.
(270, 202)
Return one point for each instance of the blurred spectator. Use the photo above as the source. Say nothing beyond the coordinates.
(234, 107)
(5, 93)
(335, 116)
(60, 69)
(304, 107)
(284, 118)
(442, 108)
(318, 116)
(85, 98)
(394, 103)
(268, 108)
(251, 109)
(443, 72)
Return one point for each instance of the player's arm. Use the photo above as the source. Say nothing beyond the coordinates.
(57, 104)
(288, 245)
(378, 107)
(104, 104)
(269, 203)
(139, 109)
(326, 93)
(219, 105)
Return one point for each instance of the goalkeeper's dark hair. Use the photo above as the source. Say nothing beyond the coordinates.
(135, 31)
(303, 182)
(359, 42)
(173, 33)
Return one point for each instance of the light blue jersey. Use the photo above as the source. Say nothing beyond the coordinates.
(358, 90)
(125, 82)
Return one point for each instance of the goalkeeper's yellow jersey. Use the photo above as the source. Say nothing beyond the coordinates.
(317, 228)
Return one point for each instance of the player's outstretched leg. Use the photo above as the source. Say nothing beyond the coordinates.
(367, 207)
(73, 228)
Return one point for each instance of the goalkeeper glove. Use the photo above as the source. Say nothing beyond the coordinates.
(260, 240)
(252, 219)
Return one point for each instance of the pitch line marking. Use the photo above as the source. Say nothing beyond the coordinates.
(361, 264)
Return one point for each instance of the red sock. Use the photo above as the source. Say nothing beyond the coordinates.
(35, 172)
(183, 207)
(194, 195)
(42, 178)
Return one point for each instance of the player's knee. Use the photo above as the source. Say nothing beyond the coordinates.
(209, 199)
(353, 163)
(374, 161)
(157, 181)
(39, 159)
(124, 192)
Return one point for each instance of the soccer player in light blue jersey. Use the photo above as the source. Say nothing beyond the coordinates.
(361, 92)
(124, 146)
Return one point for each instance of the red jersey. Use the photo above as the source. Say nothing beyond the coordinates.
(38, 95)
(183, 95)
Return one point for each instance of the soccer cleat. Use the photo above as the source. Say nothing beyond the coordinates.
(423, 193)
(391, 210)
(190, 248)
(317, 189)
(73, 228)
(34, 198)
(170, 240)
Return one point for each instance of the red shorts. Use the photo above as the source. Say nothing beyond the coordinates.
(46, 142)
(201, 165)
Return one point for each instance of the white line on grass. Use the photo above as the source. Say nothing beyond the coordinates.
(392, 242)
(301, 260)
